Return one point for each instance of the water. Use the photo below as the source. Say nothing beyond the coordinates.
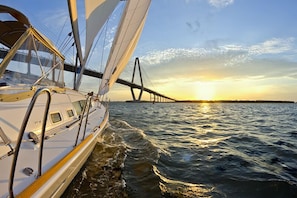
(193, 150)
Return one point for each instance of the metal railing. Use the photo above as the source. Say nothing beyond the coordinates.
(21, 134)
(87, 105)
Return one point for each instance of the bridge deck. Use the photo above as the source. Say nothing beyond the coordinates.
(95, 74)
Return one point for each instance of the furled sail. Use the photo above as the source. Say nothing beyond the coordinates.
(97, 13)
(125, 41)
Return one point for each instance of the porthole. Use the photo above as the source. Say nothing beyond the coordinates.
(79, 106)
(56, 117)
(70, 113)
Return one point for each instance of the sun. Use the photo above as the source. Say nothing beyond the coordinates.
(205, 91)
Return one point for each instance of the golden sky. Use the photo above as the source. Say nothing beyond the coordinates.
(206, 49)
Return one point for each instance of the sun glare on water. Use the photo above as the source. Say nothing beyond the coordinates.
(205, 91)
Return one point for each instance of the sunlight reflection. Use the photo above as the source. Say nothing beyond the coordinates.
(209, 142)
(205, 107)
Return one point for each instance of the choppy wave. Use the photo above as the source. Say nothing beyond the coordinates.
(101, 176)
(121, 164)
(193, 150)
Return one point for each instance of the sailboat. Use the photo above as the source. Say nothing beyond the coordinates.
(48, 130)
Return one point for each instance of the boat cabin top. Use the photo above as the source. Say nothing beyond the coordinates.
(26, 56)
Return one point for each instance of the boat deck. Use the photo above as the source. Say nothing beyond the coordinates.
(60, 142)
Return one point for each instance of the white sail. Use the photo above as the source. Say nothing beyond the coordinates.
(97, 13)
(125, 41)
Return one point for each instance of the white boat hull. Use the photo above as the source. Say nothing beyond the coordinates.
(54, 182)
(62, 157)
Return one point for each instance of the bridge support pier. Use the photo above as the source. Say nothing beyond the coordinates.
(159, 98)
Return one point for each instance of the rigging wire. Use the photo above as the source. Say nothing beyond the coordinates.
(62, 30)
(62, 43)
(67, 40)
(105, 35)
(92, 50)
(72, 55)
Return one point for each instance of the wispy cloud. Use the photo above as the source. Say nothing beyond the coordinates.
(220, 3)
(233, 53)
(241, 54)
(273, 46)
(262, 60)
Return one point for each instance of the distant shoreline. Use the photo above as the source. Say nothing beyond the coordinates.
(234, 101)
(217, 101)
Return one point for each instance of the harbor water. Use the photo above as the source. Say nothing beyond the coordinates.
(193, 150)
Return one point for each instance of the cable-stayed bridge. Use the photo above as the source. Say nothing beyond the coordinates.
(154, 95)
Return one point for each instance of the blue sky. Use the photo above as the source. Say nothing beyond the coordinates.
(204, 49)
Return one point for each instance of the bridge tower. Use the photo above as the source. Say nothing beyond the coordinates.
(137, 64)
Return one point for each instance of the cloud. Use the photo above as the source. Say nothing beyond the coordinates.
(273, 46)
(232, 53)
(240, 54)
(220, 3)
(232, 61)
(216, 3)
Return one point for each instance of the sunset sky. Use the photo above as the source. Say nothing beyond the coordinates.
(203, 49)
